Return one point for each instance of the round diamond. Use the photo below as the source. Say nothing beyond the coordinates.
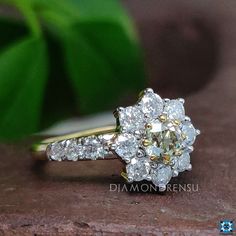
(165, 142)
(126, 146)
(175, 110)
(73, 151)
(161, 175)
(131, 118)
(93, 148)
(56, 151)
(138, 169)
(189, 132)
(183, 162)
(151, 105)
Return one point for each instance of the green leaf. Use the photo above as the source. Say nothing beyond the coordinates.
(59, 102)
(103, 56)
(102, 10)
(102, 59)
(23, 71)
(103, 63)
(121, 53)
(85, 9)
(12, 29)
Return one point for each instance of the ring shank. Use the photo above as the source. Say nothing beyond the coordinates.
(39, 149)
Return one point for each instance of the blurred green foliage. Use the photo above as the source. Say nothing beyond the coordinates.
(63, 57)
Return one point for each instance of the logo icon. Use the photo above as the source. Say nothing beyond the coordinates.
(226, 226)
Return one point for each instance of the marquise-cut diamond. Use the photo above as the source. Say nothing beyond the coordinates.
(161, 175)
(183, 162)
(189, 132)
(151, 105)
(126, 146)
(138, 169)
(131, 119)
(175, 110)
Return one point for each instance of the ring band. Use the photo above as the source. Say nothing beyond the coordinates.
(153, 138)
(43, 150)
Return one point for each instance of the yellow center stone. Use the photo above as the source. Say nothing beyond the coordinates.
(162, 140)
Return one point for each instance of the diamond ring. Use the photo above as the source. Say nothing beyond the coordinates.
(154, 139)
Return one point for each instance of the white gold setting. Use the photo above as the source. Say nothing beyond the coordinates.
(153, 138)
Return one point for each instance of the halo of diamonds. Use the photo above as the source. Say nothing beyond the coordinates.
(154, 139)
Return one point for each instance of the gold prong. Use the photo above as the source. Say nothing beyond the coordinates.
(124, 175)
(176, 122)
(178, 152)
(153, 158)
(183, 136)
(141, 94)
(171, 145)
(166, 159)
(163, 118)
(146, 142)
(148, 126)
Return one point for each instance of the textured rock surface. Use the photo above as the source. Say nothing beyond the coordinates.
(74, 198)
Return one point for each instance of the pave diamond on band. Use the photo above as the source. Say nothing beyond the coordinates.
(90, 148)
(153, 138)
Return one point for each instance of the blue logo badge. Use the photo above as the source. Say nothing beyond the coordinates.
(226, 226)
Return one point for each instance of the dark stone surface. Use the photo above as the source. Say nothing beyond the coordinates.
(74, 198)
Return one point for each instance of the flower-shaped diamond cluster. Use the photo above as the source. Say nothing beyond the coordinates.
(154, 139)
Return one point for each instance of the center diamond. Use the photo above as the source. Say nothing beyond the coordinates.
(162, 140)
